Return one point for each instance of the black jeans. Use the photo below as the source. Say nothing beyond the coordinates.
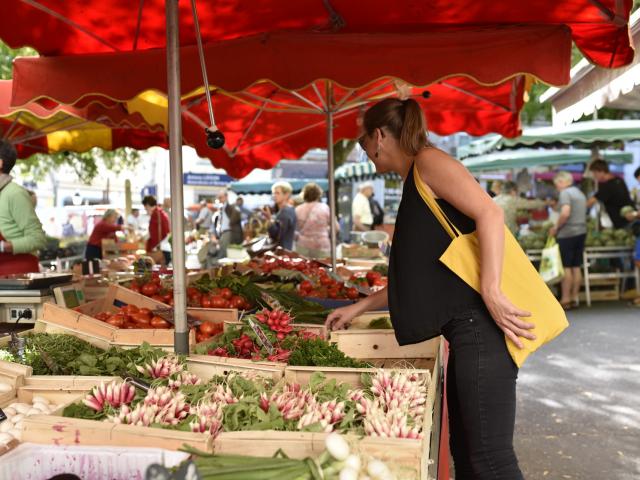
(481, 398)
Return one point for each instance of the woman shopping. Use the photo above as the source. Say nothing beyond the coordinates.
(105, 229)
(426, 299)
(312, 224)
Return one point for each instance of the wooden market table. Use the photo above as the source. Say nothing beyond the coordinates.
(596, 253)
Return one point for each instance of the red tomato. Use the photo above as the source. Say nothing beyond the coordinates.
(218, 302)
(102, 316)
(237, 302)
(325, 281)
(130, 325)
(140, 319)
(116, 320)
(372, 277)
(206, 301)
(352, 293)
(150, 289)
(192, 291)
(130, 309)
(159, 322)
(134, 288)
(207, 328)
(158, 298)
(226, 293)
(306, 286)
(201, 337)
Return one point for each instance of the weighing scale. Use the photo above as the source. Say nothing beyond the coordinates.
(24, 295)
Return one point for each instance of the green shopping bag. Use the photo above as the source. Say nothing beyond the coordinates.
(551, 269)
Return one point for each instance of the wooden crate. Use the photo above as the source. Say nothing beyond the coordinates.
(82, 321)
(417, 459)
(602, 289)
(207, 366)
(57, 430)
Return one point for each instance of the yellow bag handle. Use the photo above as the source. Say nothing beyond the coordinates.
(431, 202)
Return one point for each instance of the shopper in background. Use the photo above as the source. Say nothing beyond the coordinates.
(495, 189)
(426, 299)
(377, 212)
(313, 224)
(612, 192)
(282, 227)
(205, 216)
(133, 221)
(227, 224)
(361, 208)
(245, 213)
(571, 233)
(159, 230)
(510, 203)
(105, 229)
(21, 233)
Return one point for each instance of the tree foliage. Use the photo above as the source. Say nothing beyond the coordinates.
(86, 165)
(341, 151)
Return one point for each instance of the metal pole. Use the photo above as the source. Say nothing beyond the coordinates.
(181, 340)
(332, 184)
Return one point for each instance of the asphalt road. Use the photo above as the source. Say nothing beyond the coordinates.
(579, 400)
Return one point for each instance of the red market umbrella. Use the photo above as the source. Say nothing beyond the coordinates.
(34, 129)
(266, 123)
(58, 27)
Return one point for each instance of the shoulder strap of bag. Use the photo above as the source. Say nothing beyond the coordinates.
(431, 202)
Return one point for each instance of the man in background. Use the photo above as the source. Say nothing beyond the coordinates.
(21, 233)
(245, 213)
(510, 203)
(361, 208)
(227, 224)
(612, 192)
(204, 219)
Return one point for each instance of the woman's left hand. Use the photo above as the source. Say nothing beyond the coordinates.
(508, 317)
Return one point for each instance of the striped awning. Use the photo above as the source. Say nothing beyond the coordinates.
(360, 171)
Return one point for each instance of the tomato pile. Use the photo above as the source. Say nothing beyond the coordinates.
(153, 288)
(268, 264)
(217, 298)
(131, 316)
(208, 329)
(371, 279)
(324, 286)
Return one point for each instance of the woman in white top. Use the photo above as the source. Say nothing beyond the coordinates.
(312, 224)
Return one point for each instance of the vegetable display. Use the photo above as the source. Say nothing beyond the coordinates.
(16, 412)
(60, 354)
(292, 346)
(389, 404)
(130, 316)
(337, 462)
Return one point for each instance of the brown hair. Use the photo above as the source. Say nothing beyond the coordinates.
(599, 165)
(403, 119)
(311, 192)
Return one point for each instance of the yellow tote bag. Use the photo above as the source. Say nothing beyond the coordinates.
(521, 283)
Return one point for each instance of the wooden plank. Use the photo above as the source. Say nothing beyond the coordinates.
(215, 315)
(351, 376)
(380, 344)
(129, 435)
(207, 366)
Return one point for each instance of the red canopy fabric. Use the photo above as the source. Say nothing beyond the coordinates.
(35, 129)
(265, 123)
(293, 61)
(58, 27)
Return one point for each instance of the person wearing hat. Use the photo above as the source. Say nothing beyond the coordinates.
(105, 229)
(361, 208)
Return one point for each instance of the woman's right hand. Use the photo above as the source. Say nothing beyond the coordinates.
(341, 318)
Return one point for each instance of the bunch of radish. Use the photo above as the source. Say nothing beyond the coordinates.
(115, 394)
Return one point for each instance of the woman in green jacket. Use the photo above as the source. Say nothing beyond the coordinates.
(21, 233)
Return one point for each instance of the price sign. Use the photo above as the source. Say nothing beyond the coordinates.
(262, 338)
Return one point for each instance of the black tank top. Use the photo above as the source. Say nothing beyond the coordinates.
(423, 293)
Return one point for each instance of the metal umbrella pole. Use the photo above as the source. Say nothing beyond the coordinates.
(181, 340)
(332, 184)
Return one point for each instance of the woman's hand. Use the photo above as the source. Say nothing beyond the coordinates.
(341, 318)
(509, 317)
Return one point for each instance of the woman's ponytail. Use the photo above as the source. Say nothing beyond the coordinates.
(401, 118)
(413, 136)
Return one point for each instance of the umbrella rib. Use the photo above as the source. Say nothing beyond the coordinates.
(325, 104)
(138, 24)
(359, 99)
(13, 124)
(248, 130)
(68, 21)
(473, 95)
(41, 133)
(290, 134)
(199, 121)
(305, 100)
(287, 108)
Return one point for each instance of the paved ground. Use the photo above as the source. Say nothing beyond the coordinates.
(579, 400)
